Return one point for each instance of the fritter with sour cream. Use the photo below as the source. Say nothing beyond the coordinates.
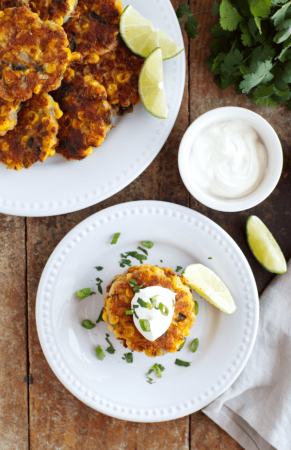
(35, 136)
(87, 115)
(94, 28)
(118, 300)
(33, 54)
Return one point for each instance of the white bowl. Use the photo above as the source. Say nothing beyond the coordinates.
(270, 140)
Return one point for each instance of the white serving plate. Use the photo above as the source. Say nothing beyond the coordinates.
(181, 236)
(58, 186)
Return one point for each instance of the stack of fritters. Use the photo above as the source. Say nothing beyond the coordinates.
(90, 71)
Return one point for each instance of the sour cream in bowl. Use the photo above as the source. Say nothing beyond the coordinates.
(230, 159)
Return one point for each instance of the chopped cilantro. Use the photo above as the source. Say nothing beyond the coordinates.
(137, 256)
(128, 357)
(179, 268)
(143, 250)
(98, 284)
(158, 369)
(110, 349)
(99, 268)
(100, 318)
(210, 257)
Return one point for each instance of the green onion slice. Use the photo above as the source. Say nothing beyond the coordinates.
(142, 303)
(128, 357)
(149, 305)
(145, 325)
(174, 303)
(129, 312)
(179, 362)
(182, 345)
(147, 244)
(100, 354)
(88, 324)
(135, 315)
(84, 293)
(115, 238)
(164, 309)
(194, 345)
(158, 369)
(196, 307)
(100, 318)
(132, 281)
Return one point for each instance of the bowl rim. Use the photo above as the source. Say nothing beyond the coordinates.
(273, 147)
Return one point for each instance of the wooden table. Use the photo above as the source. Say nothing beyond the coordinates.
(36, 411)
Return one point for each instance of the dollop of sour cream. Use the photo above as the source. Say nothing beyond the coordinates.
(158, 318)
(228, 159)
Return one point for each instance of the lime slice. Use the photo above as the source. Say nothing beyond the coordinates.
(207, 284)
(264, 246)
(140, 36)
(151, 85)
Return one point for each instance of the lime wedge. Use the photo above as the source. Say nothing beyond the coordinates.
(264, 246)
(140, 36)
(207, 284)
(151, 85)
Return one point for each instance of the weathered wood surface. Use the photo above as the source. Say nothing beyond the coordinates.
(36, 411)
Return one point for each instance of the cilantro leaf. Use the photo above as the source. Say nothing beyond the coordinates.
(183, 12)
(260, 8)
(253, 79)
(229, 16)
(279, 15)
(284, 31)
(232, 61)
(215, 9)
(246, 36)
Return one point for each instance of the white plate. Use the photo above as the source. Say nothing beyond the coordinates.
(181, 237)
(58, 186)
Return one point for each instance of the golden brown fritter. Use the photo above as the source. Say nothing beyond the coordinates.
(59, 11)
(33, 54)
(8, 115)
(13, 3)
(118, 300)
(118, 71)
(94, 28)
(87, 115)
(35, 136)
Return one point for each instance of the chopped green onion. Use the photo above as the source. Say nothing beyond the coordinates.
(115, 238)
(182, 345)
(99, 268)
(135, 306)
(128, 357)
(132, 281)
(149, 305)
(158, 369)
(196, 307)
(129, 312)
(210, 257)
(100, 318)
(100, 354)
(98, 284)
(161, 260)
(110, 349)
(147, 244)
(88, 324)
(142, 303)
(179, 268)
(150, 380)
(84, 293)
(135, 315)
(194, 345)
(143, 250)
(174, 303)
(113, 326)
(164, 309)
(179, 362)
(145, 325)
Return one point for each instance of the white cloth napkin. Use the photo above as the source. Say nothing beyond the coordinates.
(256, 409)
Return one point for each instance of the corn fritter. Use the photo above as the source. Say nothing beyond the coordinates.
(35, 136)
(87, 115)
(59, 11)
(33, 54)
(94, 28)
(118, 300)
(8, 115)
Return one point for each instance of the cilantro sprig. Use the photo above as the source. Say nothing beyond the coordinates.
(183, 13)
(251, 49)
